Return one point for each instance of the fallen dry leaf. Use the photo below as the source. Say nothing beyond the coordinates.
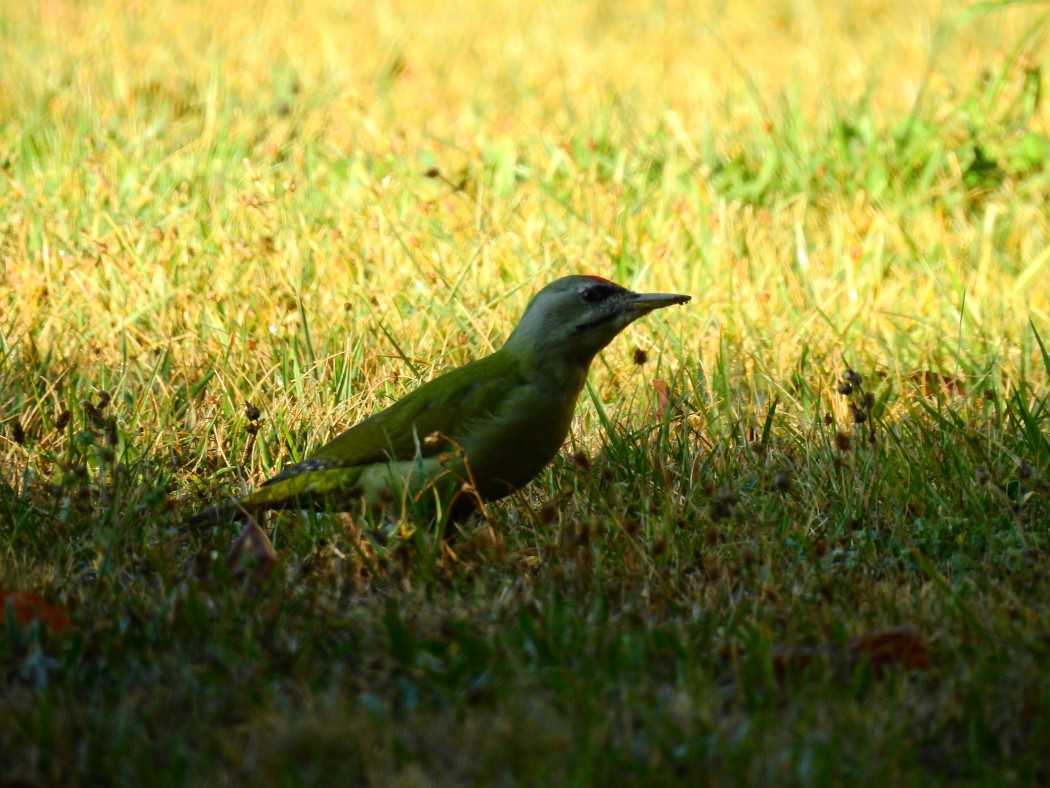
(931, 383)
(663, 398)
(27, 608)
(252, 555)
(902, 646)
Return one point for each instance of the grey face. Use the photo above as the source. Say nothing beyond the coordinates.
(576, 316)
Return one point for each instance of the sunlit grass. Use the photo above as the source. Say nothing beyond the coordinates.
(309, 211)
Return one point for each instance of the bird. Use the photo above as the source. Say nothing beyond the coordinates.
(473, 435)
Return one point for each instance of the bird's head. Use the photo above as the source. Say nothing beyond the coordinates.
(574, 317)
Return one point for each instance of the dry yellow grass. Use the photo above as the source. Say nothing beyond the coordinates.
(179, 175)
(309, 206)
(134, 99)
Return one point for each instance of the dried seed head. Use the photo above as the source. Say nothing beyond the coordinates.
(640, 356)
(104, 399)
(548, 512)
(845, 388)
(18, 433)
(92, 412)
(859, 414)
(62, 420)
(582, 535)
(782, 480)
(852, 377)
(721, 505)
(828, 419)
(842, 441)
(251, 412)
(111, 431)
(727, 495)
(581, 461)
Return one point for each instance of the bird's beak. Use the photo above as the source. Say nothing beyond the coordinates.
(647, 302)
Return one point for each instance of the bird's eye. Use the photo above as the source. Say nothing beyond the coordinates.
(595, 294)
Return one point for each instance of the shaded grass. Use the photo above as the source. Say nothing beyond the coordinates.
(313, 238)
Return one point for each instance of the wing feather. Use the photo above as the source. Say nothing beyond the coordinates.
(446, 404)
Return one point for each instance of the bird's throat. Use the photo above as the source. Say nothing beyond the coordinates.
(591, 324)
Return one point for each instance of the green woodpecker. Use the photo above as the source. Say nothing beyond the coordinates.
(476, 433)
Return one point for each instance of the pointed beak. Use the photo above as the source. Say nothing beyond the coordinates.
(647, 302)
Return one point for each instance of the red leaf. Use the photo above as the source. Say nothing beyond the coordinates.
(902, 646)
(27, 608)
(663, 397)
(930, 383)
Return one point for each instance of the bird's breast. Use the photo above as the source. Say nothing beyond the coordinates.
(507, 449)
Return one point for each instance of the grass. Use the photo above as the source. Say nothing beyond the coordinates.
(308, 213)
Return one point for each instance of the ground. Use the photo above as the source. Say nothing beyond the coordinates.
(799, 533)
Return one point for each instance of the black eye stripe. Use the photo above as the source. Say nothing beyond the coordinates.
(596, 293)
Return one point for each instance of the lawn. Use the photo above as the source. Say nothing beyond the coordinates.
(799, 534)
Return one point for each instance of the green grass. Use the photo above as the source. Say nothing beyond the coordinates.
(203, 210)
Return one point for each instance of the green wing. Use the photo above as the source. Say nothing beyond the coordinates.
(446, 405)
(455, 404)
